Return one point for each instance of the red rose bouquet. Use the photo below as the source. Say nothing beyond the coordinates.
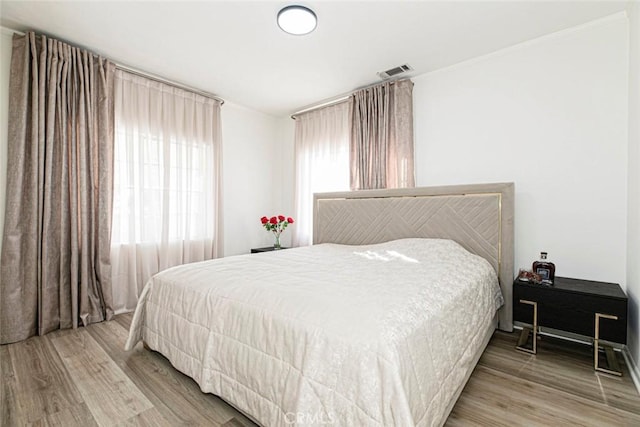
(276, 224)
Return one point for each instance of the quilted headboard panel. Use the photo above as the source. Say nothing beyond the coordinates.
(478, 217)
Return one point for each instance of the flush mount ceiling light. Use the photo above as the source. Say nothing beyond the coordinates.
(297, 20)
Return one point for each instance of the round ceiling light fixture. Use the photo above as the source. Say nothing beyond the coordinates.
(297, 20)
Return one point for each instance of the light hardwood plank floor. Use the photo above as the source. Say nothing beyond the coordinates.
(83, 377)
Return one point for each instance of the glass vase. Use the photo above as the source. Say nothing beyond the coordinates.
(276, 245)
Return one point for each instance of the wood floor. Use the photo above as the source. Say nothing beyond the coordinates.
(83, 378)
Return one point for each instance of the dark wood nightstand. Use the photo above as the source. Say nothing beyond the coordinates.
(267, 249)
(593, 309)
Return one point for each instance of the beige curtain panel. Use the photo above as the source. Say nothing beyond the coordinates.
(382, 137)
(55, 268)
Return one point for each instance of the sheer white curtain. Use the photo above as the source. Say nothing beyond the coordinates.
(167, 180)
(322, 161)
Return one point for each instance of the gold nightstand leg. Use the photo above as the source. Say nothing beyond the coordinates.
(612, 361)
(524, 335)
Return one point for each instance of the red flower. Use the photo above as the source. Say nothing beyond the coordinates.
(264, 220)
(290, 220)
(280, 217)
(273, 220)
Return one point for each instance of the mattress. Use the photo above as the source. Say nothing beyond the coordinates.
(375, 335)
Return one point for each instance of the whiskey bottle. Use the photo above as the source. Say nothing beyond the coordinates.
(545, 269)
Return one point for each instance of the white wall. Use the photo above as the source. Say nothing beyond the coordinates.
(633, 224)
(252, 183)
(551, 116)
(287, 172)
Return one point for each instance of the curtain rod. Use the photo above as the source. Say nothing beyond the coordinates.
(11, 30)
(168, 82)
(338, 99)
(144, 74)
(321, 105)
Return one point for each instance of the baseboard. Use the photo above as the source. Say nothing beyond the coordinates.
(633, 368)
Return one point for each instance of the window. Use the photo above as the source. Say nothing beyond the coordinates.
(166, 179)
(322, 161)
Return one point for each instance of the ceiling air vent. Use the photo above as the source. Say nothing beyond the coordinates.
(392, 72)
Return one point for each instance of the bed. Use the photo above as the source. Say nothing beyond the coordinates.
(379, 323)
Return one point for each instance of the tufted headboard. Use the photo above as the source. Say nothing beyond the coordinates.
(479, 217)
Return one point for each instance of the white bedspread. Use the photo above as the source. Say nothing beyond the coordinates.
(328, 334)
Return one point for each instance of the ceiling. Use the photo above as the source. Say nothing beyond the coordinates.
(235, 49)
